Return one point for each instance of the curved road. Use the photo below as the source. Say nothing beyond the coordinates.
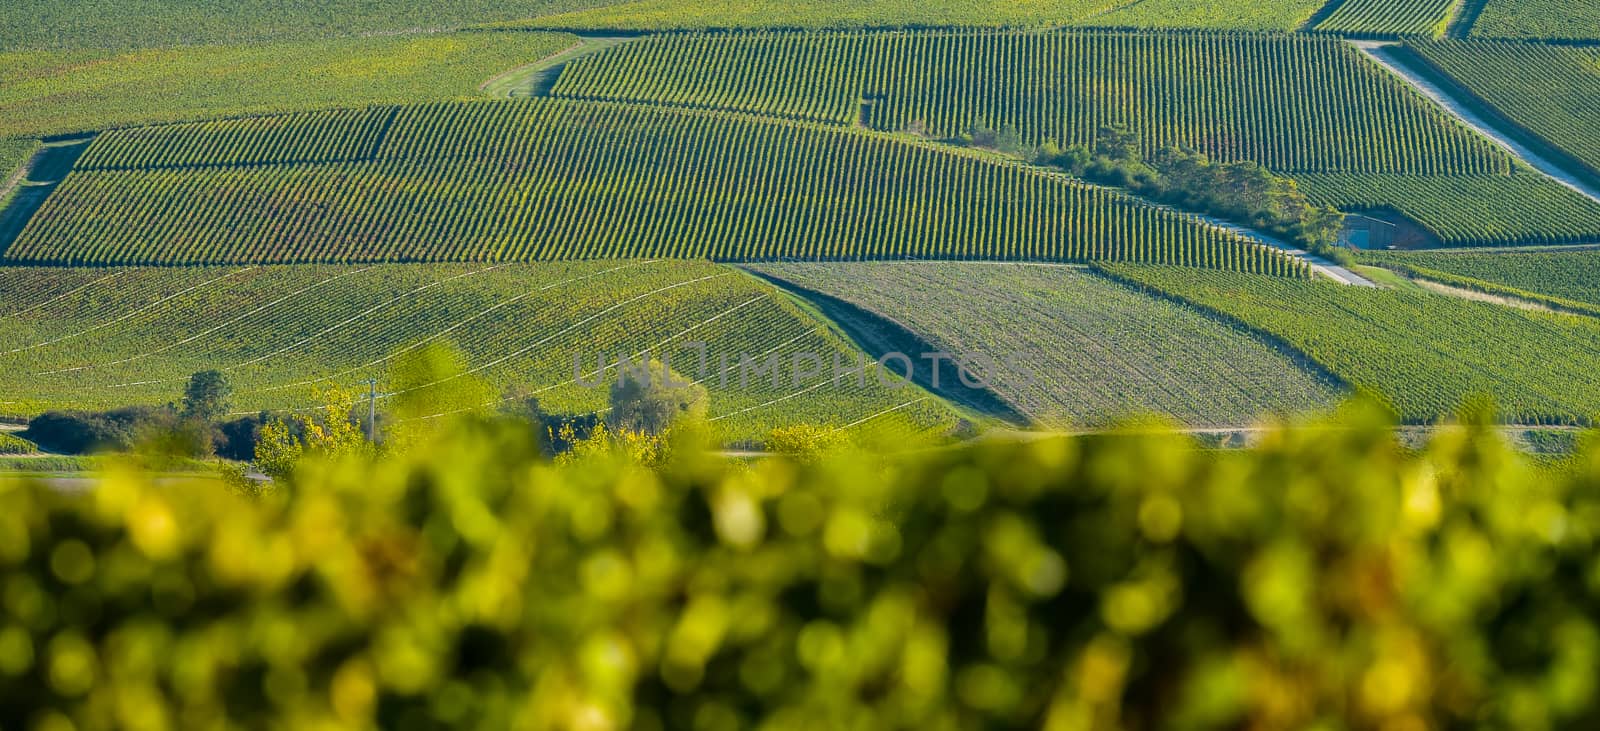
(1377, 51)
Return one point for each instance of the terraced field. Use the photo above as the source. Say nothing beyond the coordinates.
(72, 338)
(521, 181)
(1097, 349)
(1389, 18)
(1281, 15)
(1424, 353)
(1548, 90)
(1294, 104)
(1534, 19)
(54, 93)
(1498, 210)
(1572, 275)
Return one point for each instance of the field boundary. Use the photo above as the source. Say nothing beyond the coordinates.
(877, 334)
(1288, 350)
(1478, 114)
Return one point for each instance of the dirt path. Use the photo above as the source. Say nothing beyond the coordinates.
(535, 79)
(1380, 52)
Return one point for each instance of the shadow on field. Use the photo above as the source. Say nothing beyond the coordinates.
(878, 335)
(49, 167)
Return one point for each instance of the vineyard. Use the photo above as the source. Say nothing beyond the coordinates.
(1571, 275)
(1281, 15)
(1389, 18)
(46, 25)
(1477, 210)
(75, 338)
(1426, 354)
(10, 444)
(1290, 103)
(1532, 19)
(53, 93)
(1100, 350)
(1548, 90)
(523, 181)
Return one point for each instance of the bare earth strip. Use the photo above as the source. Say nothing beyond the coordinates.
(1378, 52)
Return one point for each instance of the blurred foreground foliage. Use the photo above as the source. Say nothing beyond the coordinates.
(1326, 578)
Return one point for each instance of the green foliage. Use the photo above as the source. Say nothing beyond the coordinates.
(208, 397)
(101, 339)
(283, 445)
(1568, 275)
(687, 15)
(13, 444)
(1390, 18)
(806, 442)
(1328, 578)
(814, 14)
(649, 397)
(52, 93)
(1291, 103)
(1548, 90)
(1477, 210)
(56, 26)
(1097, 350)
(538, 180)
(1558, 19)
(1424, 353)
(1250, 15)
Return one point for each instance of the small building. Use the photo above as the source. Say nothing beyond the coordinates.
(1366, 232)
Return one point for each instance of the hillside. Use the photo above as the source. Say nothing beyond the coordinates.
(1071, 349)
(541, 180)
(95, 339)
(1425, 354)
(1293, 104)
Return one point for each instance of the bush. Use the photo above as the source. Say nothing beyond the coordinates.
(85, 432)
(1326, 579)
(655, 398)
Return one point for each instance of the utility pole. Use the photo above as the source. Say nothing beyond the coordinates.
(372, 410)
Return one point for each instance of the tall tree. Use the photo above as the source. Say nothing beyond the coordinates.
(207, 397)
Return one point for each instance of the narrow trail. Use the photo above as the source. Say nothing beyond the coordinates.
(1458, 107)
(535, 79)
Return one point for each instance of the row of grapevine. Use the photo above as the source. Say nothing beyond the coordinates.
(1568, 275)
(1097, 349)
(1390, 17)
(1478, 210)
(1425, 353)
(277, 332)
(1549, 90)
(1575, 20)
(332, 136)
(522, 181)
(1293, 103)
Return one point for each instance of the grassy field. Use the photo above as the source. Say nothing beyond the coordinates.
(1099, 350)
(1557, 19)
(1549, 90)
(52, 25)
(51, 93)
(1290, 103)
(1572, 275)
(1426, 354)
(1463, 210)
(508, 181)
(1389, 18)
(134, 336)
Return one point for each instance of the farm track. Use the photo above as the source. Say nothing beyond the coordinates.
(1460, 107)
